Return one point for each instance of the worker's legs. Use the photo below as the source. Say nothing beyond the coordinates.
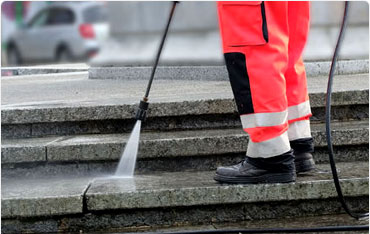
(299, 110)
(255, 46)
(255, 37)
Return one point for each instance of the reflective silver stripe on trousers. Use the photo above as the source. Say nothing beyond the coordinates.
(300, 110)
(264, 119)
(299, 129)
(269, 148)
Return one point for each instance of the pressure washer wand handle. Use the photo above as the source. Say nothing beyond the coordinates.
(159, 52)
(143, 106)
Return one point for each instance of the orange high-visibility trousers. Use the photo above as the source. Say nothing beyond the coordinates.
(263, 43)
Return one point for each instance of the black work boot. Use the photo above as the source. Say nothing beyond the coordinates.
(278, 169)
(302, 149)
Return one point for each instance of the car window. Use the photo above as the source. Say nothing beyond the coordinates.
(60, 16)
(40, 19)
(95, 14)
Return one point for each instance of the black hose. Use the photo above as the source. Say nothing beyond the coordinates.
(328, 119)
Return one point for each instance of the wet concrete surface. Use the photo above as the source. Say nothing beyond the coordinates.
(199, 188)
(177, 180)
(42, 197)
(34, 197)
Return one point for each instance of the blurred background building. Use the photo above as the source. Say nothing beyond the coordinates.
(128, 33)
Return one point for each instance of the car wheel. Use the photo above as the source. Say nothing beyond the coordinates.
(63, 55)
(13, 56)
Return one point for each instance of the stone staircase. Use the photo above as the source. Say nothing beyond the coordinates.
(62, 138)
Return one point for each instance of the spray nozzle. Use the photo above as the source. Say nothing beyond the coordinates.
(141, 111)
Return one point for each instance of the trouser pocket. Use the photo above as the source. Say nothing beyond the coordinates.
(243, 23)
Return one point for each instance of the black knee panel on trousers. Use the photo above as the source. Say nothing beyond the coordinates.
(239, 79)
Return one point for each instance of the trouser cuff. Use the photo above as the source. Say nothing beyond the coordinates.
(267, 149)
(304, 145)
(299, 129)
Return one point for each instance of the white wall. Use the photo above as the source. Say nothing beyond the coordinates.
(138, 17)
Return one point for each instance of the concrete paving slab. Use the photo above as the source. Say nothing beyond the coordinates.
(199, 188)
(292, 222)
(42, 197)
(347, 106)
(274, 214)
(25, 150)
(58, 99)
(295, 222)
(43, 69)
(162, 144)
(19, 130)
(55, 65)
(215, 73)
(16, 154)
(152, 145)
(57, 169)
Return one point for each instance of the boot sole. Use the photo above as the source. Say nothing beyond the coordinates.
(268, 178)
(305, 166)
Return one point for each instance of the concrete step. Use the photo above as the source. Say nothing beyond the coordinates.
(77, 105)
(64, 68)
(214, 73)
(272, 224)
(170, 199)
(160, 151)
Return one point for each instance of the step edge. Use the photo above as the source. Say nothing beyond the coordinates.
(346, 183)
(126, 111)
(53, 151)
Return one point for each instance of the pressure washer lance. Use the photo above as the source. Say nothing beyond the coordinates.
(143, 106)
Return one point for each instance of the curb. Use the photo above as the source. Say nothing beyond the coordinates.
(215, 73)
(20, 71)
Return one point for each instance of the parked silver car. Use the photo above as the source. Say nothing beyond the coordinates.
(60, 32)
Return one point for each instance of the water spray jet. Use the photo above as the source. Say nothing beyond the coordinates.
(127, 162)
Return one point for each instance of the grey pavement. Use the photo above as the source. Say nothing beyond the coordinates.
(74, 97)
(215, 73)
(45, 197)
(42, 197)
(43, 69)
(199, 188)
(292, 222)
(76, 89)
(156, 145)
(70, 202)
